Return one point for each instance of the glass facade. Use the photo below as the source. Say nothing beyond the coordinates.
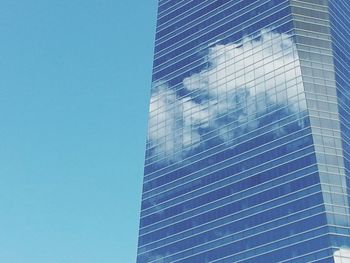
(248, 148)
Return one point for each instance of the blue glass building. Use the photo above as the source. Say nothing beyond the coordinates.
(248, 148)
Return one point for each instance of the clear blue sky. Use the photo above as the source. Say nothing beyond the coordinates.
(74, 88)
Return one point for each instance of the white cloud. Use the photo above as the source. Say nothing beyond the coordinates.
(342, 255)
(242, 80)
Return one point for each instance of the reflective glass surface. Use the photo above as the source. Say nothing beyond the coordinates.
(248, 139)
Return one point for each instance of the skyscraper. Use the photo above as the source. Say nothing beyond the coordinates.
(248, 148)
